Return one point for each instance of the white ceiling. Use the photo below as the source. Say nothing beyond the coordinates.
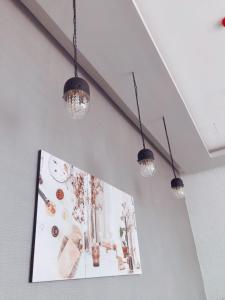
(191, 41)
(113, 40)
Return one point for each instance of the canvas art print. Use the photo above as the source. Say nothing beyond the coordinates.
(83, 227)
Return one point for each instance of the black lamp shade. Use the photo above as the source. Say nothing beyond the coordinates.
(76, 83)
(177, 183)
(145, 154)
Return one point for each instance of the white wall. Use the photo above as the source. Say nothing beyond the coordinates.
(32, 73)
(205, 197)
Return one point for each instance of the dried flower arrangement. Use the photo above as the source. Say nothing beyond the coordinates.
(78, 186)
(96, 189)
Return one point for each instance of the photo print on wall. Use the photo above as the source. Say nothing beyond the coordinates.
(83, 227)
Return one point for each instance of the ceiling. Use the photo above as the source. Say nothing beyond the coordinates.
(176, 60)
(191, 41)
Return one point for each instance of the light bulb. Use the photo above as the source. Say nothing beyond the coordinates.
(77, 97)
(179, 192)
(146, 162)
(147, 167)
(77, 103)
(177, 186)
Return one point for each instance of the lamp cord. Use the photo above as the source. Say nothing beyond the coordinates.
(138, 109)
(168, 142)
(75, 38)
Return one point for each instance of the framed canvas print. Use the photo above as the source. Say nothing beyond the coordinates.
(83, 227)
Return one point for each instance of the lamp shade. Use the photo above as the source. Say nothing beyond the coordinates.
(146, 162)
(77, 97)
(177, 186)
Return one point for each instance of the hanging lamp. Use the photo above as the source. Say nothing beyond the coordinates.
(145, 156)
(76, 89)
(177, 184)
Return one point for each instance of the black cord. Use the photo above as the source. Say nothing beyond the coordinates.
(75, 38)
(171, 156)
(138, 108)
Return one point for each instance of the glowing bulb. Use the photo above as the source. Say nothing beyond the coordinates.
(77, 97)
(178, 188)
(179, 193)
(77, 103)
(146, 162)
(147, 167)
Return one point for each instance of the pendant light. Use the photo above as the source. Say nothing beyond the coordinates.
(177, 184)
(76, 89)
(145, 156)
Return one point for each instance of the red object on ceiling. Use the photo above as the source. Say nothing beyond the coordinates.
(223, 22)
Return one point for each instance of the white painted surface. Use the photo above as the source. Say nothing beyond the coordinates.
(191, 41)
(32, 73)
(205, 198)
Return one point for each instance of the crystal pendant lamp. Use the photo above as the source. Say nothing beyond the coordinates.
(177, 184)
(76, 89)
(145, 156)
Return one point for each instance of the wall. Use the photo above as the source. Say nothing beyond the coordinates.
(32, 73)
(206, 206)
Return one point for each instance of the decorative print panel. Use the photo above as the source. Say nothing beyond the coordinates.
(83, 226)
